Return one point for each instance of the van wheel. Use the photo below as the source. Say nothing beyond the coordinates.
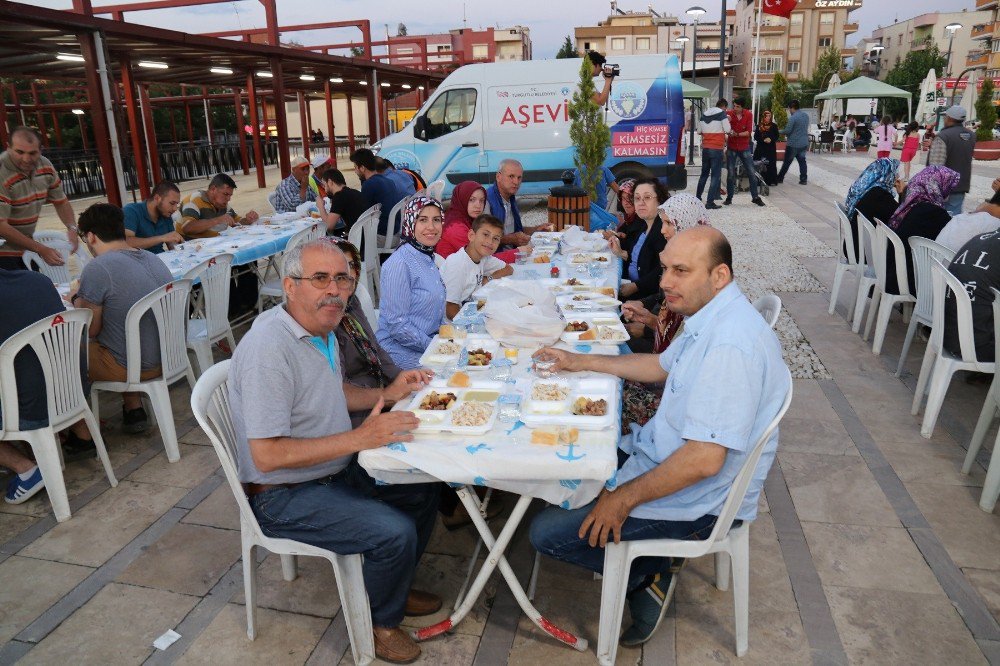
(633, 170)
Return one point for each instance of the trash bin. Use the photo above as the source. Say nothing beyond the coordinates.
(569, 205)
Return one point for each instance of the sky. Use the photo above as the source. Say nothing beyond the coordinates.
(549, 21)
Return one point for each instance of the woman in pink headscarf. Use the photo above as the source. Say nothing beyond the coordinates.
(468, 201)
(639, 403)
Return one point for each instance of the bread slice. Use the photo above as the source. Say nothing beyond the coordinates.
(589, 334)
(446, 331)
(459, 380)
(555, 436)
(607, 291)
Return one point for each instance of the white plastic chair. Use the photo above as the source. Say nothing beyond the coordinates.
(991, 488)
(724, 541)
(939, 364)
(82, 253)
(210, 404)
(846, 263)
(272, 289)
(867, 279)
(884, 238)
(168, 306)
(57, 342)
(769, 307)
(58, 274)
(387, 243)
(435, 189)
(922, 250)
(367, 306)
(271, 198)
(211, 323)
(612, 206)
(361, 237)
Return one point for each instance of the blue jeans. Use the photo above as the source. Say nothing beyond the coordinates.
(745, 156)
(799, 154)
(349, 513)
(954, 203)
(711, 161)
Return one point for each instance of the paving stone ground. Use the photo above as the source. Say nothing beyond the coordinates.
(869, 547)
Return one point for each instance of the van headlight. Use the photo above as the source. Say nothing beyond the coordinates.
(377, 146)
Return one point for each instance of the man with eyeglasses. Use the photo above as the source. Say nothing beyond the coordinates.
(295, 445)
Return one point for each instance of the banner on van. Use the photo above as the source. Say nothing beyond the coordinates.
(641, 141)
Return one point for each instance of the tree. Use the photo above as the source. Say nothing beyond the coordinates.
(588, 131)
(986, 112)
(358, 51)
(567, 50)
(909, 73)
(829, 62)
(401, 30)
(779, 90)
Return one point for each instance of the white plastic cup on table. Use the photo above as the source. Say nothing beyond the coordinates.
(596, 269)
(521, 257)
(510, 407)
(543, 368)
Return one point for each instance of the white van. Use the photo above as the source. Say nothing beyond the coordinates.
(484, 113)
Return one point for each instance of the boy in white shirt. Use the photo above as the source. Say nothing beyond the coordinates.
(466, 270)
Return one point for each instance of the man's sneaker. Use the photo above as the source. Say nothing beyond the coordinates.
(648, 605)
(712, 206)
(75, 448)
(758, 201)
(727, 202)
(802, 182)
(134, 421)
(19, 490)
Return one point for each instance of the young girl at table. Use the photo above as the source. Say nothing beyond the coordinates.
(411, 292)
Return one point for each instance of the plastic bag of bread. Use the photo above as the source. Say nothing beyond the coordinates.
(520, 313)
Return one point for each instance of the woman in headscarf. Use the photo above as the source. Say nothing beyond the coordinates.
(640, 249)
(921, 213)
(873, 194)
(412, 294)
(468, 201)
(639, 403)
(766, 138)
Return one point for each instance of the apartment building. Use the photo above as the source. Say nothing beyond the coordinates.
(790, 46)
(461, 46)
(919, 32)
(985, 36)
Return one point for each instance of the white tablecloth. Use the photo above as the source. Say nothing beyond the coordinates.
(505, 458)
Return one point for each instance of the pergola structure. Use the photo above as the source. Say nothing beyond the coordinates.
(118, 61)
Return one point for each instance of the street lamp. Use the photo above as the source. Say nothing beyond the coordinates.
(959, 80)
(683, 40)
(877, 52)
(952, 28)
(695, 13)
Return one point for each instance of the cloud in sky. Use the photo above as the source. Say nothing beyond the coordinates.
(549, 21)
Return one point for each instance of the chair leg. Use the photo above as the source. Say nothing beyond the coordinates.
(837, 279)
(940, 379)
(911, 330)
(613, 590)
(740, 555)
(202, 355)
(926, 366)
(102, 451)
(861, 300)
(986, 416)
(722, 570)
(45, 446)
(533, 581)
(991, 487)
(250, 585)
(159, 398)
(882, 325)
(357, 611)
(289, 568)
(872, 312)
(95, 405)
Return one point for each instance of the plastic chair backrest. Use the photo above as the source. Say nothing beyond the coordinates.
(215, 274)
(769, 307)
(316, 231)
(394, 227)
(612, 206)
(738, 491)
(844, 233)
(82, 254)
(210, 405)
(57, 341)
(889, 237)
(360, 238)
(436, 189)
(168, 305)
(996, 318)
(923, 250)
(299, 238)
(943, 282)
(271, 198)
(58, 274)
(367, 306)
(867, 231)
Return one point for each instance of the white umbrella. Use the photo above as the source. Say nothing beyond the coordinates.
(970, 96)
(927, 104)
(834, 106)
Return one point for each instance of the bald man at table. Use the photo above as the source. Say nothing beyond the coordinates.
(725, 382)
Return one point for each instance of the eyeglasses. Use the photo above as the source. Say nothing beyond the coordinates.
(323, 280)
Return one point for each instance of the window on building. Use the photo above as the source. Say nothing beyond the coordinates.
(769, 64)
(826, 18)
(793, 67)
(796, 18)
(404, 49)
(824, 42)
(795, 42)
(617, 43)
(441, 48)
(480, 51)
(451, 111)
(586, 46)
(642, 43)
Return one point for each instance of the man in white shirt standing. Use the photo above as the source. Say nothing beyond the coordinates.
(465, 271)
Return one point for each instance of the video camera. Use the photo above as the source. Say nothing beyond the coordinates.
(611, 71)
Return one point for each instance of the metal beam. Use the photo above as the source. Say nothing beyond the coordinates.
(280, 120)
(258, 155)
(331, 137)
(152, 151)
(240, 132)
(303, 122)
(149, 5)
(102, 116)
(132, 109)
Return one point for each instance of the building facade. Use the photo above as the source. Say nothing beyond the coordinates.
(920, 32)
(790, 46)
(462, 45)
(986, 37)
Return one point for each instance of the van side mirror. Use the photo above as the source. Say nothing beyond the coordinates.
(420, 128)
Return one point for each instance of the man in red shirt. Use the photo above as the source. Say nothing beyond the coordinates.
(738, 143)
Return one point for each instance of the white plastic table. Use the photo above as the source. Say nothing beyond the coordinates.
(569, 475)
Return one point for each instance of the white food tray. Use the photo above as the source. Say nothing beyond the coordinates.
(431, 356)
(605, 258)
(602, 322)
(536, 413)
(441, 420)
(587, 301)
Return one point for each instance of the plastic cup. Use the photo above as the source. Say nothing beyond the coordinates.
(521, 258)
(544, 369)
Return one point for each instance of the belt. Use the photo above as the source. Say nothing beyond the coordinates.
(252, 489)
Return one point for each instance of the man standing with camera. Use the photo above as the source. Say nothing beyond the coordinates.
(609, 72)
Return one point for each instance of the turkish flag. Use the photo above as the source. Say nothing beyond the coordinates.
(782, 8)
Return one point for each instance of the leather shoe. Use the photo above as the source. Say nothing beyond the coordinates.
(422, 603)
(395, 645)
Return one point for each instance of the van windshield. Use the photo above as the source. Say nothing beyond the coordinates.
(451, 111)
